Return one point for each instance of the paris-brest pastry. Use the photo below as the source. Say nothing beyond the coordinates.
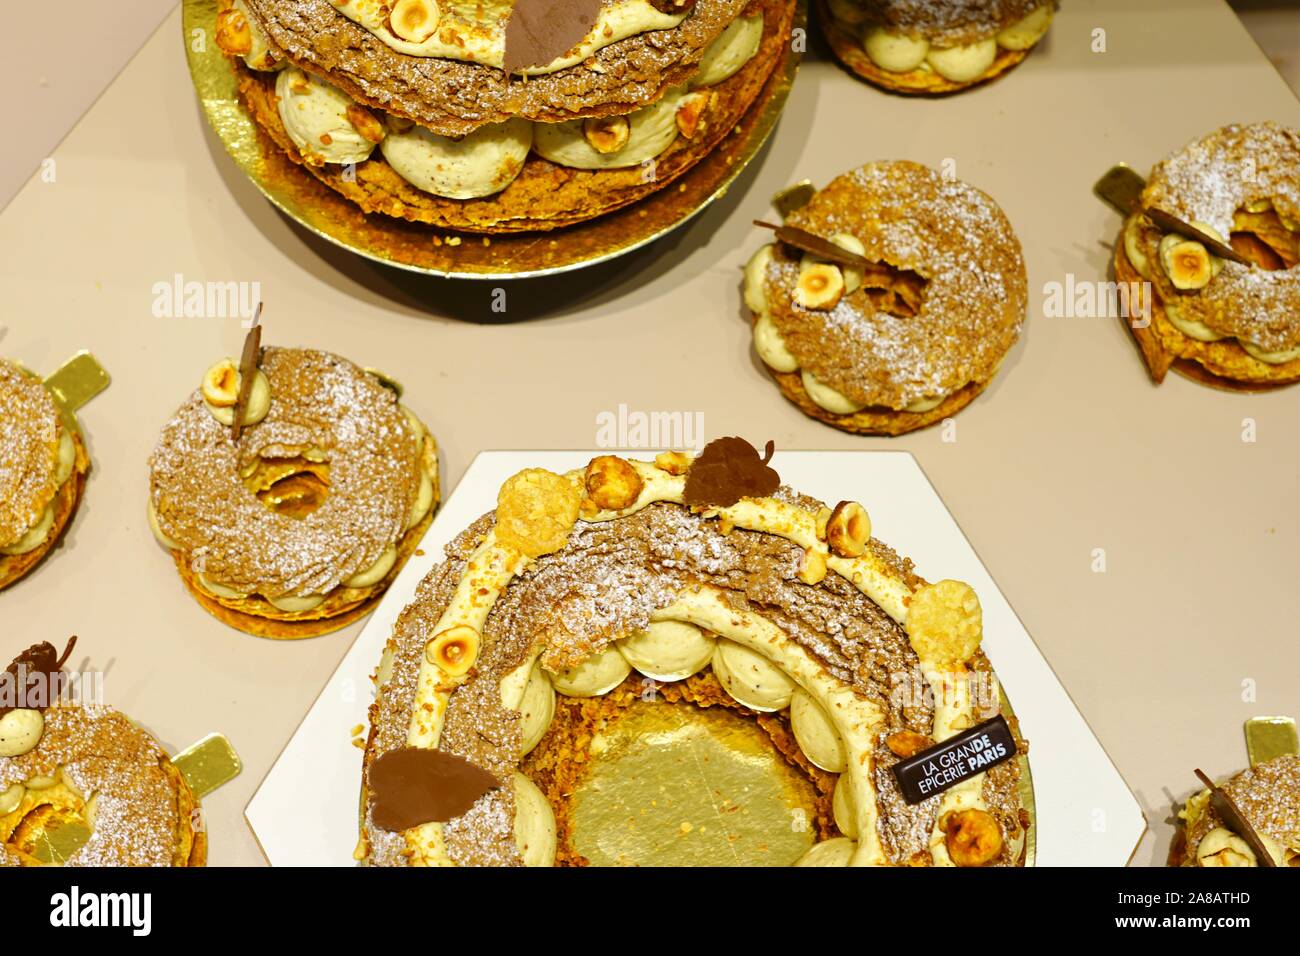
(580, 583)
(80, 784)
(294, 522)
(1219, 301)
(889, 300)
(501, 116)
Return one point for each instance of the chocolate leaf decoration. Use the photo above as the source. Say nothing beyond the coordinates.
(413, 785)
(248, 362)
(823, 248)
(1236, 820)
(1171, 223)
(727, 470)
(42, 658)
(540, 31)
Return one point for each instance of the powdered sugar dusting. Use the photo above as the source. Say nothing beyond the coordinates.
(29, 437)
(318, 400)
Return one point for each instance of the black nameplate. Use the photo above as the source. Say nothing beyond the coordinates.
(958, 758)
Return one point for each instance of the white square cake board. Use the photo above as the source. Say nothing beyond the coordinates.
(1086, 814)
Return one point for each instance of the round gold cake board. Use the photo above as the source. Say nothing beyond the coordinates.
(412, 246)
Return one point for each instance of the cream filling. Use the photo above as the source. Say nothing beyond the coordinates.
(962, 64)
(66, 457)
(294, 605)
(815, 733)
(734, 47)
(755, 271)
(835, 402)
(598, 674)
(1025, 32)
(837, 851)
(842, 808)
(1133, 248)
(751, 678)
(376, 572)
(771, 347)
(668, 650)
(423, 501)
(259, 403)
(220, 590)
(20, 731)
(481, 163)
(315, 117)
(487, 160)
(536, 708)
(535, 835)
(894, 52)
(474, 32)
(651, 130)
(35, 535)
(1270, 358)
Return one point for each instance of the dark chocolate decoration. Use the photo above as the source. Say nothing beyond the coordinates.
(727, 470)
(540, 31)
(823, 248)
(413, 785)
(248, 362)
(1236, 821)
(41, 659)
(1171, 223)
(958, 758)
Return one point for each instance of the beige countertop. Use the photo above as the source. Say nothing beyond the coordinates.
(1072, 449)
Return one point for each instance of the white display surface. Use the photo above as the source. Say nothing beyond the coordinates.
(1085, 813)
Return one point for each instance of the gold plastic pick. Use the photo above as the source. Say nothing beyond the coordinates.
(1121, 187)
(77, 381)
(208, 764)
(793, 197)
(1269, 737)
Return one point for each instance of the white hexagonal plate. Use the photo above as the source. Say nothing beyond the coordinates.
(305, 812)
